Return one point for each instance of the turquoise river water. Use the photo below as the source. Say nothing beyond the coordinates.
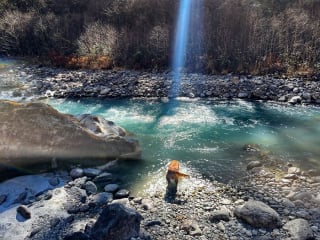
(209, 135)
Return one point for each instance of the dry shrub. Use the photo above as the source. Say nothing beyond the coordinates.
(98, 39)
(84, 62)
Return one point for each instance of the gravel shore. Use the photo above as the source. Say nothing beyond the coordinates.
(61, 83)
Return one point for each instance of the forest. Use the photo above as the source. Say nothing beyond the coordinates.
(241, 36)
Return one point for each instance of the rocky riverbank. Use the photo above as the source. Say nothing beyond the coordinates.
(272, 202)
(62, 83)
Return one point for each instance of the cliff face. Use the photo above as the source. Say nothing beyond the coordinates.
(32, 133)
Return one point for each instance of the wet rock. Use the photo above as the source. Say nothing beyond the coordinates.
(54, 181)
(76, 173)
(299, 229)
(258, 214)
(123, 201)
(243, 95)
(295, 100)
(111, 188)
(24, 212)
(22, 196)
(100, 199)
(91, 188)
(283, 99)
(91, 172)
(252, 148)
(48, 195)
(253, 164)
(3, 198)
(117, 222)
(123, 193)
(103, 178)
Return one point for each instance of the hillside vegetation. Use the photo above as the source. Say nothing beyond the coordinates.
(246, 36)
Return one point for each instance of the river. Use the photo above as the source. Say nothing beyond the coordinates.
(206, 135)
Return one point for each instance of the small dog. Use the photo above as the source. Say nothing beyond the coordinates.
(173, 176)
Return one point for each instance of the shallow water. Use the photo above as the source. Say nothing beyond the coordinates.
(209, 136)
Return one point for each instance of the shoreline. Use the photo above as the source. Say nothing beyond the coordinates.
(63, 83)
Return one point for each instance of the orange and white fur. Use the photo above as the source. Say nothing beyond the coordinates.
(173, 175)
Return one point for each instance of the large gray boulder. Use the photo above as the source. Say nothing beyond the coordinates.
(299, 229)
(35, 132)
(258, 214)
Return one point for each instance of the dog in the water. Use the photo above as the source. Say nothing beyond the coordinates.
(173, 176)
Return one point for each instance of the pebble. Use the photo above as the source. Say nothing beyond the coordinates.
(24, 212)
(91, 188)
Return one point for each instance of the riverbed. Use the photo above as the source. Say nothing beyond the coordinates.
(206, 134)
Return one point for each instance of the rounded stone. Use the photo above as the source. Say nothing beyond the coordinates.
(91, 172)
(91, 188)
(103, 178)
(76, 173)
(111, 188)
(299, 229)
(123, 193)
(100, 199)
(54, 181)
(258, 214)
(24, 212)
